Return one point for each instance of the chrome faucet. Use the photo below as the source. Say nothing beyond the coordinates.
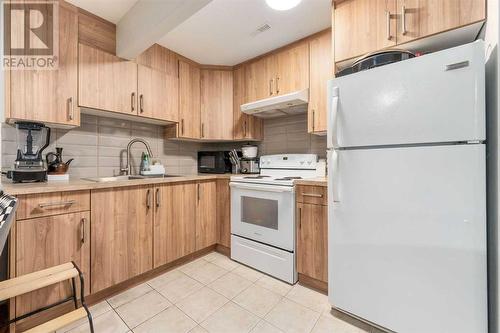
(128, 168)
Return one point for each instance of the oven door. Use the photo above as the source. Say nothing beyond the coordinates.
(264, 213)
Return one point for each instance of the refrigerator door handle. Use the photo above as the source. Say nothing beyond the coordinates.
(334, 175)
(332, 123)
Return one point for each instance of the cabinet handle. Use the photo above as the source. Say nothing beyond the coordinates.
(245, 128)
(388, 18)
(202, 130)
(157, 198)
(277, 85)
(132, 102)
(70, 108)
(182, 126)
(59, 203)
(198, 192)
(148, 199)
(314, 195)
(82, 229)
(271, 87)
(403, 20)
(314, 116)
(141, 103)
(300, 217)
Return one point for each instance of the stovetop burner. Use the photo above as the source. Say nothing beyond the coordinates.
(255, 177)
(288, 178)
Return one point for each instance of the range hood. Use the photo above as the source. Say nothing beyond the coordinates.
(278, 106)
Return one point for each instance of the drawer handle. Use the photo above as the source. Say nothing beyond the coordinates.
(314, 195)
(54, 204)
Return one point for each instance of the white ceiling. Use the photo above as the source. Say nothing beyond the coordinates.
(224, 31)
(111, 10)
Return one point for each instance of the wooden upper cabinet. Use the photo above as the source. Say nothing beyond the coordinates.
(106, 82)
(260, 76)
(49, 96)
(363, 26)
(49, 241)
(421, 18)
(312, 241)
(158, 94)
(189, 101)
(246, 127)
(174, 222)
(206, 210)
(216, 104)
(121, 234)
(321, 70)
(292, 72)
(239, 98)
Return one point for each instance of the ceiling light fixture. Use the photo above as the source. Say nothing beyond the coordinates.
(282, 4)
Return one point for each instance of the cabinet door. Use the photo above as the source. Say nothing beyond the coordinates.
(260, 78)
(106, 82)
(421, 18)
(239, 98)
(216, 104)
(312, 242)
(49, 96)
(206, 224)
(363, 26)
(49, 241)
(245, 127)
(293, 69)
(321, 70)
(189, 101)
(158, 94)
(121, 234)
(223, 212)
(174, 222)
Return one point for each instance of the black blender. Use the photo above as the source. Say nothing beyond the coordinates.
(32, 139)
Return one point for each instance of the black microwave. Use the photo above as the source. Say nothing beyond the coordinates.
(214, 162)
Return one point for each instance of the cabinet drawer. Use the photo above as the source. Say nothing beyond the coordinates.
(311, 194)
(47, 204)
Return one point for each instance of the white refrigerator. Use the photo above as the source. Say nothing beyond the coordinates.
(407, 193)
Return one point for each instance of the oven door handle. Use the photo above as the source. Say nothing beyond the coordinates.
(262, 187)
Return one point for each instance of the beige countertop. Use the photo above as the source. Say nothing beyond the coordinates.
(77, 184)
(82, 184)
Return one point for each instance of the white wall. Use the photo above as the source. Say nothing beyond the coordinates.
(491, 36)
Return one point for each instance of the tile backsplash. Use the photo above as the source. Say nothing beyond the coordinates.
(98, 145)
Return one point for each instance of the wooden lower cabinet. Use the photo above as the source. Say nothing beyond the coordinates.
(312, 241)
(44, 242)
(206, 220)
(223, 213)
(174, 222)
(122, 234)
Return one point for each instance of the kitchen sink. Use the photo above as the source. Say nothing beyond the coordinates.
(125, 177)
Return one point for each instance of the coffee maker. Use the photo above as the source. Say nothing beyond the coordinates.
(32, 139)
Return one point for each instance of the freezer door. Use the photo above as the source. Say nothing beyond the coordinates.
(438, 97)
(407, 238)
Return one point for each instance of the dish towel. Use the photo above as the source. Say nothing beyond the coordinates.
(8, 206)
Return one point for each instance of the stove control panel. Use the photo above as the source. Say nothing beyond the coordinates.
(289, 161)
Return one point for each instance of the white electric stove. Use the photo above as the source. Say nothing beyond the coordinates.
(263, 213)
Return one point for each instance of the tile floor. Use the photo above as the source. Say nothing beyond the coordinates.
(214, 294)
